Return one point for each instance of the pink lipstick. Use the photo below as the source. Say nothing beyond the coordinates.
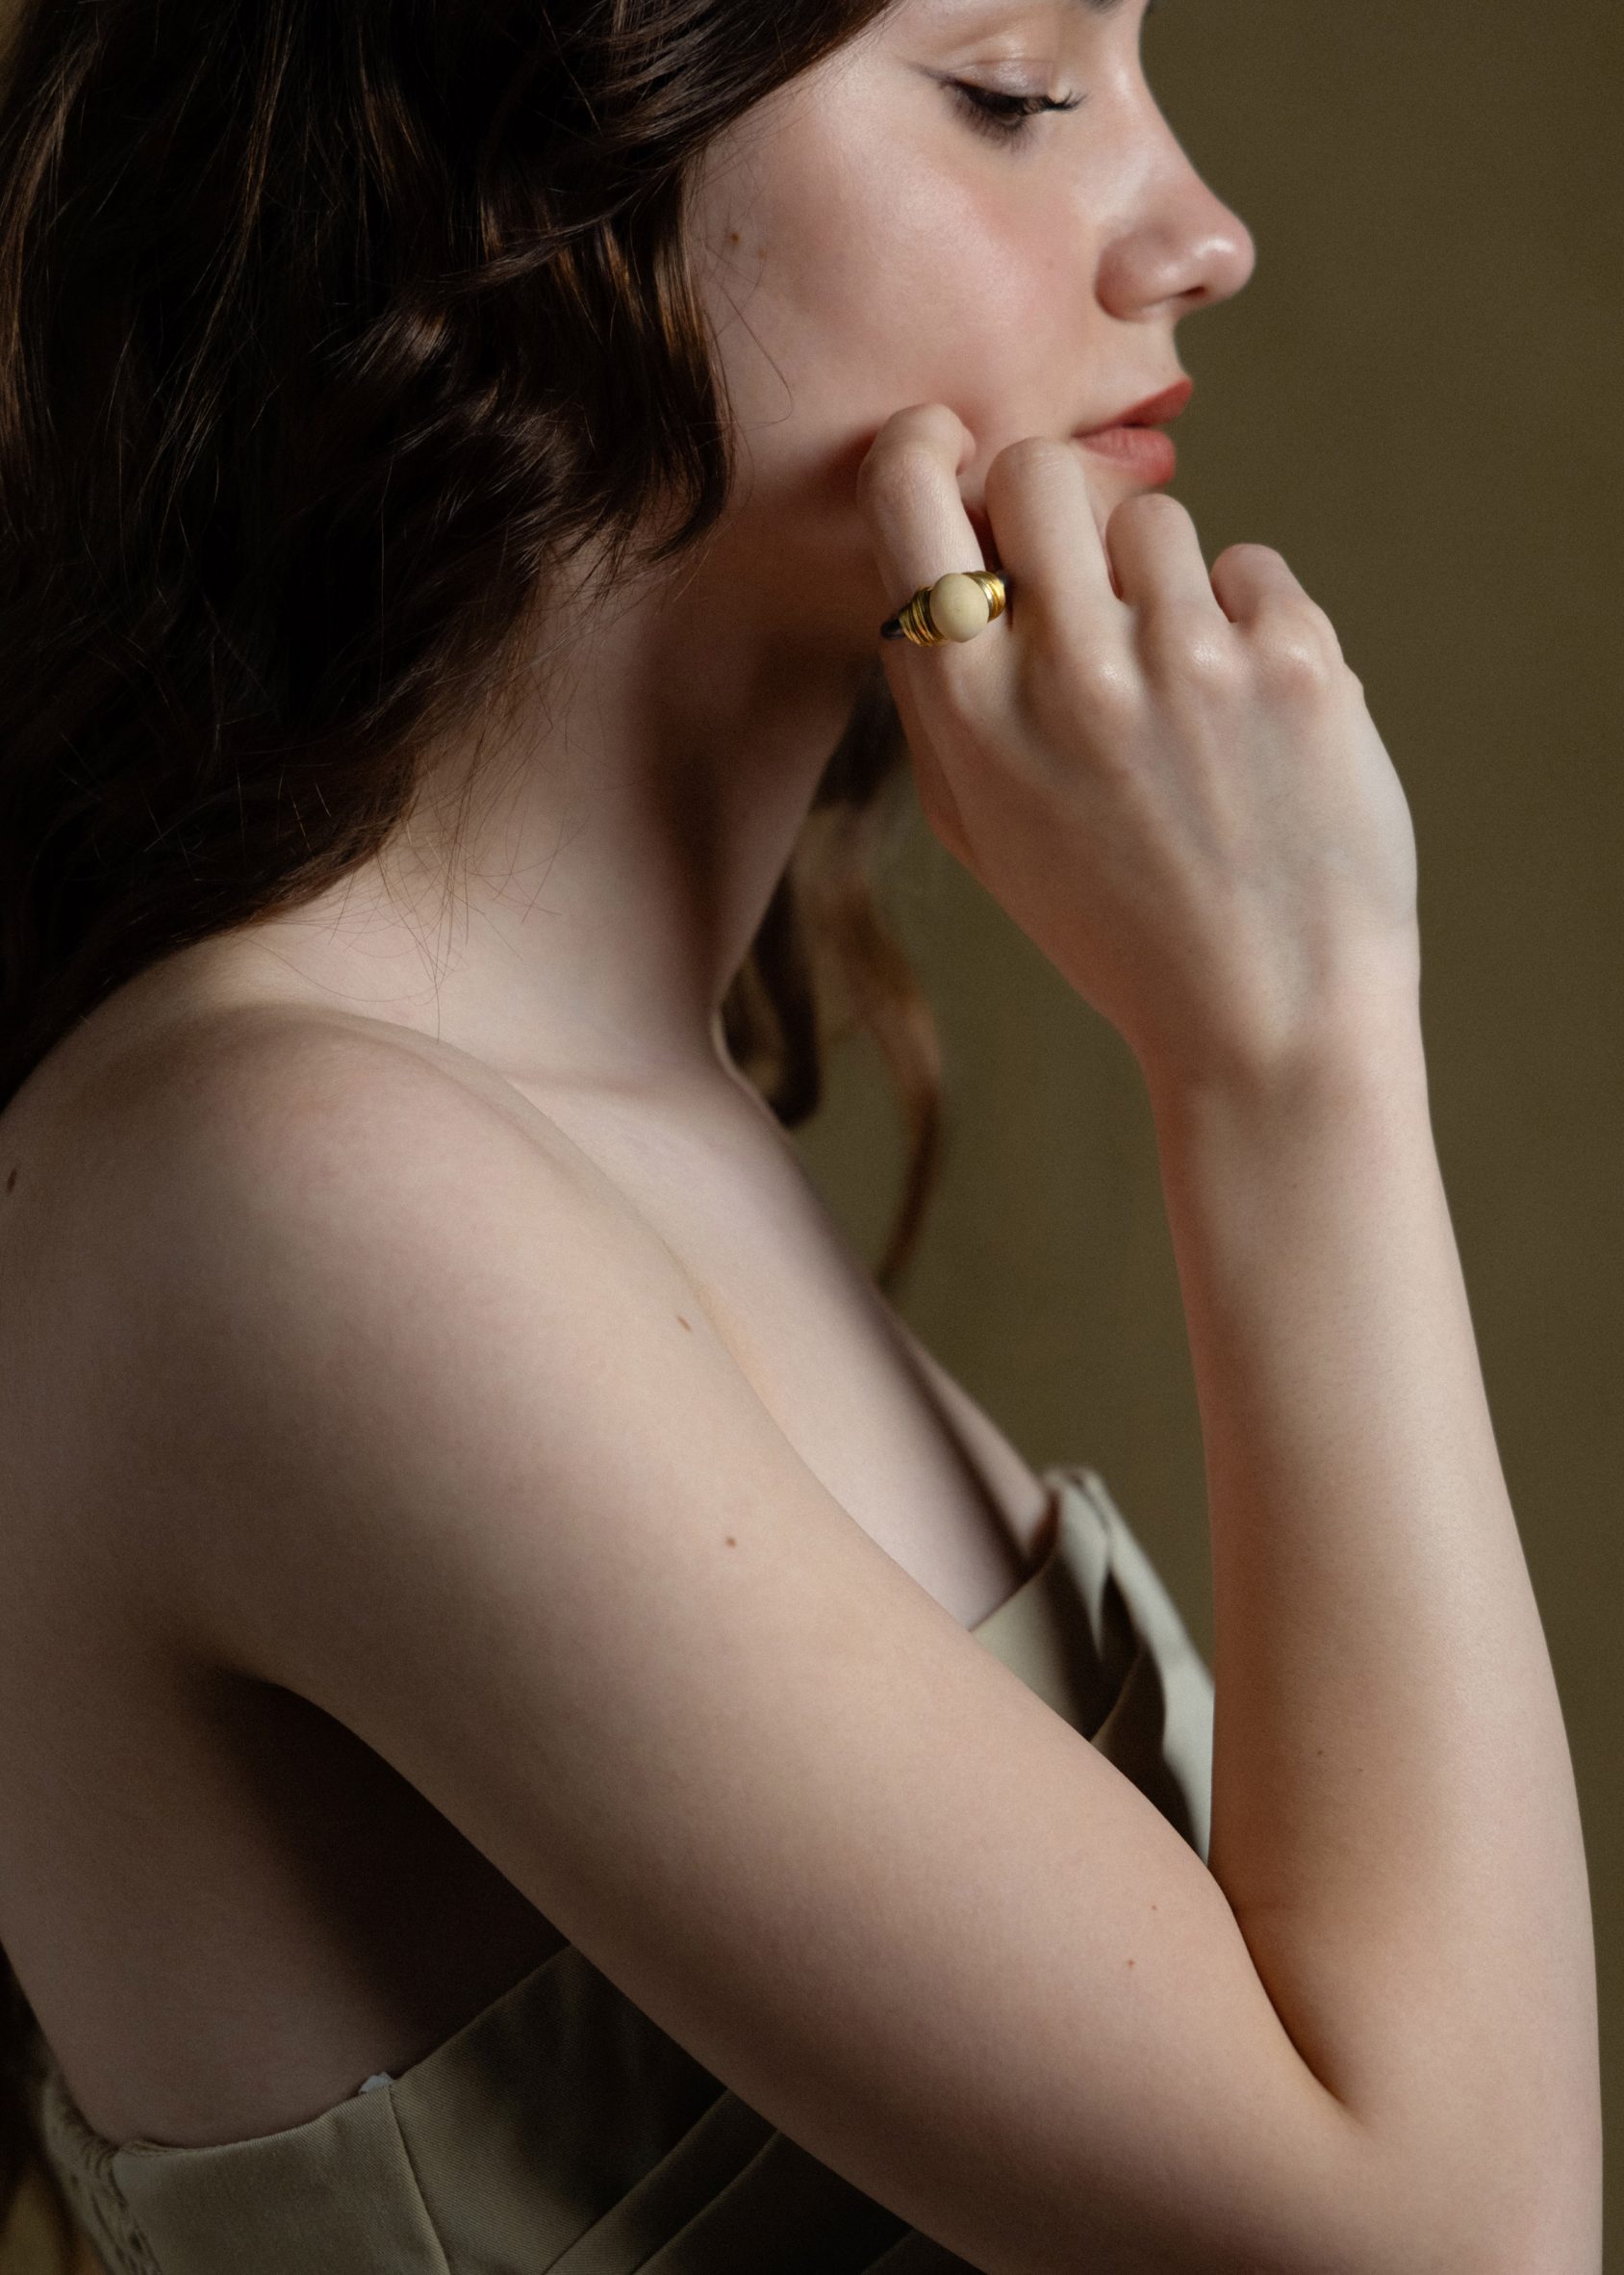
(1151, 454)
(1130, 439)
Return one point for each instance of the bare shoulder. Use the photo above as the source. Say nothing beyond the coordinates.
(215, 1219)
(449, 1448)
(244, 1082)
(227, 1136)
(176, 1150)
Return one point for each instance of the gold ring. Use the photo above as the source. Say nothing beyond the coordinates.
(957, 606)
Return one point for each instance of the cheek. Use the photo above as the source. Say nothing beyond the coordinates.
(857, 276)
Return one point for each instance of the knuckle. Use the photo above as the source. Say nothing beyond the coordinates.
(1097, 683)
(1190, 639)
(1292, 652)
(1311, 620)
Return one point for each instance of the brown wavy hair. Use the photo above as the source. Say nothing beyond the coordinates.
(329, 335)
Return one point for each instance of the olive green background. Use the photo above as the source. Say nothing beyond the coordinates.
(1417, 400)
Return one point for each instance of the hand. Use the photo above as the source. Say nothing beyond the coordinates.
(1169, 780)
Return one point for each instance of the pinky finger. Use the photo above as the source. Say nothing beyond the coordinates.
(1262, 597)
(1246, 578)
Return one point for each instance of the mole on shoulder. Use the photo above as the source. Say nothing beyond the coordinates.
(731, 1542)
(680, 1321)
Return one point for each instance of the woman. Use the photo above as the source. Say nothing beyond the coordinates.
(538, 1727)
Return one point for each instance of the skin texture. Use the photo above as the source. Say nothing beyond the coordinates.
(862, 244)
(613, 873)
(405, 1413)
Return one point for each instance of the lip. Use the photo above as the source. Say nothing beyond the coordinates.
(1154, 408)
(1132, 440)
(1151, 454)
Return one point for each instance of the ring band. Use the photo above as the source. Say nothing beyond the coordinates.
(957, 606)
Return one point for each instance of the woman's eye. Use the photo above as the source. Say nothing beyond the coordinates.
(1004, 116)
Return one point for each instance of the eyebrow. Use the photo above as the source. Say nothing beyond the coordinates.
(1094, 7)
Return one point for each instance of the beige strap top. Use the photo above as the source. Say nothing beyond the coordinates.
(560, 2131)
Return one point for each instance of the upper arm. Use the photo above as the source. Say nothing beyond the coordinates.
(469, 1468)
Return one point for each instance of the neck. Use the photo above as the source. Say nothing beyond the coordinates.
(617, 853)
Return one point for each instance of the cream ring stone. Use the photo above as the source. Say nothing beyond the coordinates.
(959, 607)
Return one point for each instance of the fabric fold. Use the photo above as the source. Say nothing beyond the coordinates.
(561, 2131)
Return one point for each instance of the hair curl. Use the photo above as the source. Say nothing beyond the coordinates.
(328, 336)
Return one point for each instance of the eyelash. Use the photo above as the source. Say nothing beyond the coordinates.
(984, 108)
(983, 105)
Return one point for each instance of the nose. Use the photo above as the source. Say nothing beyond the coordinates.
(1181, 248)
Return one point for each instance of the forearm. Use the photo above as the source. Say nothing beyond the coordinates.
(1394, 1816)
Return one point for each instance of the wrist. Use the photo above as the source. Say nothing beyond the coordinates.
(1370, 1056)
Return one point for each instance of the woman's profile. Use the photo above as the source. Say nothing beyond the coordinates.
(539, 1727)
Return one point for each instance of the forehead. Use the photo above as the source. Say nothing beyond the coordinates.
(957, 18)
(951, 12)
(951, 23)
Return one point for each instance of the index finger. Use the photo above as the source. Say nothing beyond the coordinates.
(908, 494)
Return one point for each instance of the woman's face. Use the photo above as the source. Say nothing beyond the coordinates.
(866, 239)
